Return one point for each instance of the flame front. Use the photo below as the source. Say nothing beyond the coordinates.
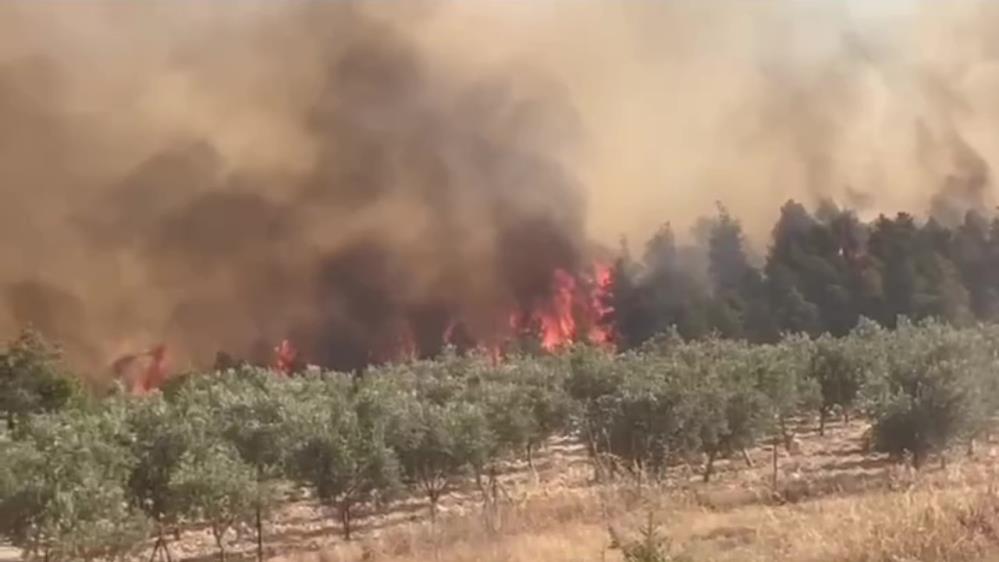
(576, 310)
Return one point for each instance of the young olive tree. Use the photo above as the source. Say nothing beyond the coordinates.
(839, 375)
(32, 379)
(254, 415)
(434, 443)
(734, 413)
(542, 390)
(213, 485)
(61, 488)
(341, 454)
(780, 373)
(594, 377)
(931, 391)
(162, 435)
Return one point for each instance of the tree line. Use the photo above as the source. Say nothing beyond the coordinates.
(85, 477)
(823, 271)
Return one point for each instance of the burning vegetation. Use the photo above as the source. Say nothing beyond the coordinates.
(338, 185)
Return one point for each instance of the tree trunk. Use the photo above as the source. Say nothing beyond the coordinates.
(433, 495)
(530, 461)
(785, 434)
(345, 519)
(822, 422)
(161, 547)
(494, 484)
(260, 532)
(708, 468)
(846, 415)
(156, 549)
(918, 456)
(220, 544)
(481, 485)
(776, 444)
(747, 458)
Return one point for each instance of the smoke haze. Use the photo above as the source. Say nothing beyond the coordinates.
(224, 175)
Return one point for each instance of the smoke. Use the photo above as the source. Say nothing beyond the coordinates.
(222, 176)
(876, 105)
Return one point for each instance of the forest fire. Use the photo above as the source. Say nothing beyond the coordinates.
(575, 310)
(143, 372)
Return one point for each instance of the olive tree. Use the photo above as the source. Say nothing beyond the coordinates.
(929, 390)
(340, 452)
(213, 485)
(254, 415)
(62, 494)
(435, 443)
(839, 375)
(32, 379)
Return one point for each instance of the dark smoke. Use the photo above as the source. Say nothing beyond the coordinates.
(360, 179)
(431, 201)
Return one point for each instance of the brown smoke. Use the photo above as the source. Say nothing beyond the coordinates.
(224, 175)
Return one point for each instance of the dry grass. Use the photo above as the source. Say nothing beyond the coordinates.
(928, 520)
(836, 504)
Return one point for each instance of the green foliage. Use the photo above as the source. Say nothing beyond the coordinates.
(648, 546)
(839, 374)
(62, 493)
(32, 379)
(339, 451)
(162, 436)
(434, 443)
(928, 389)
(824, 270)
(97, 479)
(212, 484)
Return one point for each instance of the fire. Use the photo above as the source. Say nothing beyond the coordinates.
(558, 325)
(600, 332)
(577, 311)
(285, 356)
(143, 372)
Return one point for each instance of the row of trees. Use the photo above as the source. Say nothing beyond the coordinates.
(83, 478)
(823, 271)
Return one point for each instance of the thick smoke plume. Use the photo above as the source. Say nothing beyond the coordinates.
(221, 176)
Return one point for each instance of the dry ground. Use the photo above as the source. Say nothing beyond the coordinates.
(835, 503)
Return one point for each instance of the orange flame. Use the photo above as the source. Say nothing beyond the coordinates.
(600, 332)
(558, 326)
(143, 378)
(576, 311)
(285, 356)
